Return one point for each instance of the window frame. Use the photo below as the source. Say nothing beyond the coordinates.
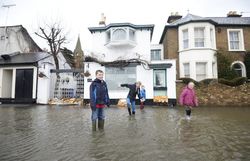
(132, 76)
(241, 39)
(199, 38)
(116, 30)
(185, 40)
(205, 74)
(154, 51)
(184, 73)
(157, 87)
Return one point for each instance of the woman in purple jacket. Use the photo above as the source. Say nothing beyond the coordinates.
(188, 99)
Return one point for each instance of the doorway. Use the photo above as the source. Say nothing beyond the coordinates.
(24, 84)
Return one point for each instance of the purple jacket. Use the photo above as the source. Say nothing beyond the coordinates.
(188, 97)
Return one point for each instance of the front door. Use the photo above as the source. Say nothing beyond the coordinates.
(24, 84)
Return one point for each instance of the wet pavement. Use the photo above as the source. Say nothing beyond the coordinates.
(157, 133)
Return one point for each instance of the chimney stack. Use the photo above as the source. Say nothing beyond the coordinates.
(233, 14)
(102, 22)
(173, 17)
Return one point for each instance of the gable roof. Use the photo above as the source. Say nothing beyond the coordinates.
(22, 58)
(217, 21)
(21, 34)
(141, 27)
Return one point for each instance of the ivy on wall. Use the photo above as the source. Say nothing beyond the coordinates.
(224, 62)
(247, 64)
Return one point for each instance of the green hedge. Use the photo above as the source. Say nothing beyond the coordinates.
(234, 82)
(247, 64)
(207, 81)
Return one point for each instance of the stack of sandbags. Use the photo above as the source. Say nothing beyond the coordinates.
(122, 103)
(160, 99)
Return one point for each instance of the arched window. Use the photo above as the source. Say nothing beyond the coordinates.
(119, 34)
(239, 68)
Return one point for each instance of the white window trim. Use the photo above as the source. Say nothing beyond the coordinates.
(204, 38)
(185, 39)
(184, 69)
(241, 45)
(243, 67)
(161, 54)
(206, 74)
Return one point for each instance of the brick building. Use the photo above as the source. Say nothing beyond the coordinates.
(194, 41)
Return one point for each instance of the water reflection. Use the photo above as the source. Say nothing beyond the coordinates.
(155, 133)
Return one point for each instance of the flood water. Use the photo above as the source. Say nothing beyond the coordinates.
(157, 133)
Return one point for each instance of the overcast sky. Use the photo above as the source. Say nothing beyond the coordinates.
(77, 15)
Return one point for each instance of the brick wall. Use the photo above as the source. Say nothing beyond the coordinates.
(170, 44)
(222, 41)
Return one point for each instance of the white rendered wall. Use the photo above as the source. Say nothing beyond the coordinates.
(190, 27)
(194, 56)
(13, 81)
(44, 87)
(143, 75)
(105, 53)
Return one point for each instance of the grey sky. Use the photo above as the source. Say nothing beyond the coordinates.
(77, 15)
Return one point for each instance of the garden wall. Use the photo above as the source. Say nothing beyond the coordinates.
(216, 94)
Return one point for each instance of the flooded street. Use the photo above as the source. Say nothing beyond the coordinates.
(156, 133)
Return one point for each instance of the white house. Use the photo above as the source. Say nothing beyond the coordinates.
(197, 49)
(126, 55)
(24, 68)
(194, 41)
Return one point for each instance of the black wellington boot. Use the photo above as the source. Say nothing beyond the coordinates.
(93, 125)
(100, 124)
(129, 111)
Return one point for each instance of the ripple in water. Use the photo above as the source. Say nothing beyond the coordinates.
(156, 133)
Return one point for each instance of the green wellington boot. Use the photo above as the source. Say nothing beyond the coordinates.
(100, 124)
(93, 125)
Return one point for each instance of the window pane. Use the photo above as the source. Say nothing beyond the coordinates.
(156, 54)
(131, 35)
(212, 37)
(238, 69)
(186, 70)
(119, 34)
(234, 40)
(199, 37)
(159, 78)
(108, 36)
(185, 39)
(117, 76)
(201, 71)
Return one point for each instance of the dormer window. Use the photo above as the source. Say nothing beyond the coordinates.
(119, 34)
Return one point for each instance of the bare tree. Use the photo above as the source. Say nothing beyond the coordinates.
(55, 37)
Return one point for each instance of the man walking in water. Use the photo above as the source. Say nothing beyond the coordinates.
(134, 89)
(99, 98)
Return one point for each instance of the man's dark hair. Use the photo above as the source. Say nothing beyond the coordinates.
(98, 71)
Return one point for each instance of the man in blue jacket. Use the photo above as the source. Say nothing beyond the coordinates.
(134, 89)
(99, 98)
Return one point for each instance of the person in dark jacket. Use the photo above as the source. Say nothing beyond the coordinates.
(134, 89)
(99, 98)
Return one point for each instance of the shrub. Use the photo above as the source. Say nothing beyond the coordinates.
(234, 82)
(207, 81)
(247, 64)
(224, 61)
(187, 80)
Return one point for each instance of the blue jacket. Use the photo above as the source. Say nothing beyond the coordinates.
(132, 91)
(98, 93)
(143, 93)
